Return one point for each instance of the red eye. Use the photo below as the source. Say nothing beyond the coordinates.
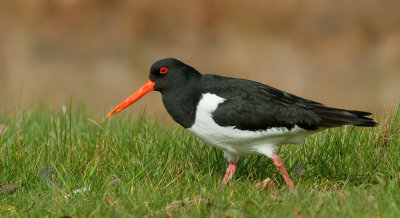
(163, 70)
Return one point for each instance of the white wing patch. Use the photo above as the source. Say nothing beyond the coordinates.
(236, 142)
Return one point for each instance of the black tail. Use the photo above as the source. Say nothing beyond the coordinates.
(334, 117)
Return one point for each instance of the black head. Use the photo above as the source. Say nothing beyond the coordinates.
(169, 73)
(166, 75)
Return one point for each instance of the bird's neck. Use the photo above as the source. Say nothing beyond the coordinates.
(181, 103)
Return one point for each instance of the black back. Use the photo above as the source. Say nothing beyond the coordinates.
(254, 106)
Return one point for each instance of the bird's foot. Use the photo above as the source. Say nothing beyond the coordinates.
(229, 172)
(279, 164)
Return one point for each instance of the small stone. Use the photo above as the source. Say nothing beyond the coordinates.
(77, 191)
(46, 171)
(299, 170)
(8, 188)
(115, 182)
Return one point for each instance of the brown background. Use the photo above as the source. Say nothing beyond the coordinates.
(339, 52)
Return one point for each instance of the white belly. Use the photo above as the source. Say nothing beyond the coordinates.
(237, 142)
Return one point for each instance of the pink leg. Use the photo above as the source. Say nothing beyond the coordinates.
(279, 163)
(229, 172)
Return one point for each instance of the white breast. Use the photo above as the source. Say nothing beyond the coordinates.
(236, 142)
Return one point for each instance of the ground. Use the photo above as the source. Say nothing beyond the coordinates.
(68, 163)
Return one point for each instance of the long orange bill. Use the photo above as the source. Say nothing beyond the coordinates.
(146, 88)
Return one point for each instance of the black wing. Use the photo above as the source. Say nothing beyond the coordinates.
(254, 106)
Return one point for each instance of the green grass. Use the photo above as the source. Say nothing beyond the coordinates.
(349, 171)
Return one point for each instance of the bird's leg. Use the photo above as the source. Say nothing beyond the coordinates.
(229, 172)
(279, 164)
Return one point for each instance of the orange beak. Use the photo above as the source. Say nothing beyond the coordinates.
(146, 88)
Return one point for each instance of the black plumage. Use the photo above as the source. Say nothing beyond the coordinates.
(249, 105)
(255, 106)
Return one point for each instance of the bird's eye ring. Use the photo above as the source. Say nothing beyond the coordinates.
(163, 70)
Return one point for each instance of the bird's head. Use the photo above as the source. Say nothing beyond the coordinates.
(165, 74)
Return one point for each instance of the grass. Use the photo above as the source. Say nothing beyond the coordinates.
(137, 167)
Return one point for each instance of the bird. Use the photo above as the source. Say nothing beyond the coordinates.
(239, 116)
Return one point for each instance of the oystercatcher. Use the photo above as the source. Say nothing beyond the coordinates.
(239, 116)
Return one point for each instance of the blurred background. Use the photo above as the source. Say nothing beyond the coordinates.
(339, 52)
